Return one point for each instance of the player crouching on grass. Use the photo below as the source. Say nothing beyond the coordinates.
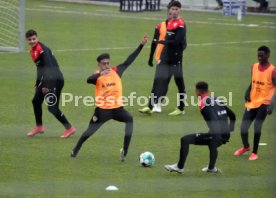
(260, 98)
(49, 83)
(216, 116)
(108, 91)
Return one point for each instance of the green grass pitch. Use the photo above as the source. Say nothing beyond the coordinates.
(220, 51)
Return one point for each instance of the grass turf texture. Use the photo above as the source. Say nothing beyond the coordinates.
(41, 166)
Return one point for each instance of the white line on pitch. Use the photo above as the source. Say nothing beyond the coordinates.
(93, 49)
(145, 18)
(192, 44)
(268, 22)
(54, 7)
(263, 144)
(116, 12)
(215, 19)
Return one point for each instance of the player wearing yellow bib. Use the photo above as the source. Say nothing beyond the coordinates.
(260, 98)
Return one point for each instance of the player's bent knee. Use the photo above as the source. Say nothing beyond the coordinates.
(184, 140)
(52, 109)
(129, 119)
(188, 139)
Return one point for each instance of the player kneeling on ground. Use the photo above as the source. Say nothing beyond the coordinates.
(216, 116)
(108, 99)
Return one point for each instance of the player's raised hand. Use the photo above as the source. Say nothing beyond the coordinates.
(144, 39)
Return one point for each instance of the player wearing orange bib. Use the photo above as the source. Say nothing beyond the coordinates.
(260, 98)
(159, 34)
(108, 99)
(170, 62)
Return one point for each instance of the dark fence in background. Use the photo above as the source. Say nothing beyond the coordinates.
(139, 5)
(136, 5)
(108, 0)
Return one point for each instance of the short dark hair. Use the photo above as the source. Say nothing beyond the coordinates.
(30, 33)
(202, 86)
(265, 49)
(103, 56)
(174, 4)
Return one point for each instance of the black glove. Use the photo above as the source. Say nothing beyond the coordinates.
(231, 127)
(150, 62)
(269, 109)
(247, 97)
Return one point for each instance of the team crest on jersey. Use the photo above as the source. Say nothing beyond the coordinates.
(94, 118)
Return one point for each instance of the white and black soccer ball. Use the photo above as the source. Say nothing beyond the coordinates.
(147, 159)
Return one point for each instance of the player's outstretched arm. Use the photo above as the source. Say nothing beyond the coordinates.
(122, 67)
(93, 79)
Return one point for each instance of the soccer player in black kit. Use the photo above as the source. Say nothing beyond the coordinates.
(156, 49)
(216, 116)
(170, 63)
(48, 86)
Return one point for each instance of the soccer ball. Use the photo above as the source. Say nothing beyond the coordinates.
(147, 159)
